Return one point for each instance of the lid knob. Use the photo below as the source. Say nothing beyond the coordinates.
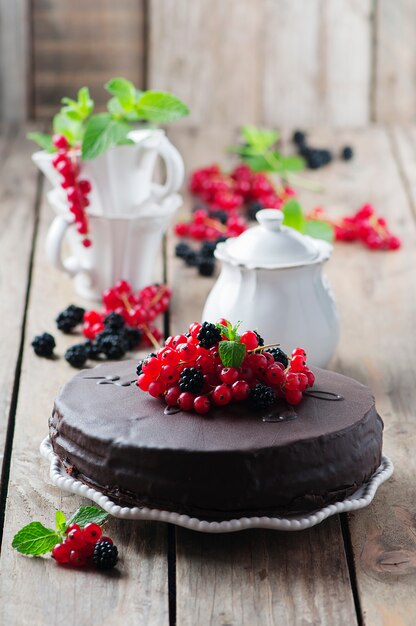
(271, 219)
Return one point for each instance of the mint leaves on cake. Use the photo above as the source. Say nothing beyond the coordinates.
(214, 365)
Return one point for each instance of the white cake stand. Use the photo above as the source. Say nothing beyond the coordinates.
(360, 499)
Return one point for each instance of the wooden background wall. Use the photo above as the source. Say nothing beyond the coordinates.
(271, 62)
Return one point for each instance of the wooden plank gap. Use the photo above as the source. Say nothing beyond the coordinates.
(5, 472)
(349, 555)
(171, 554)
(392, 139)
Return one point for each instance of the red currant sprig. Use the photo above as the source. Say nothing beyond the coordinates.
(77, 190)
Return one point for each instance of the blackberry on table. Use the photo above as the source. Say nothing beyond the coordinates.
(92, 349)
(191, 380)
(299, 137)
(209, 335)
(114, 321)
(182, 249)
(191, 258)
(113, 346)
(279, 356)
(105, 555)
(208, 248)
(261, 396)
(206, 266)
(347, 153)
(76, 355)
(43, 345)
(69, 318)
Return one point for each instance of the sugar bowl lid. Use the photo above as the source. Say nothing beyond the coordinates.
(271, 245)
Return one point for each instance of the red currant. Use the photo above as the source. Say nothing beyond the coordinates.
(72, 527)
(293, 396)
(143, 382)
(75, 539)
(186, 401)
(169, 374)
(156, 388)
(250, 340)
(275, 375)
(151, 367)
(202, 404)
(240, 390)
(60, 142)
(92, 532)
(61, 552)
(77, 559)
(298, 363)
(172, 395)
(221, 395)
(229, 375)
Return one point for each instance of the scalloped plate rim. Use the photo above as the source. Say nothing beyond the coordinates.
(360, 499)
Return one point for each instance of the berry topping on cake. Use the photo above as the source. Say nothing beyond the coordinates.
(213, 365)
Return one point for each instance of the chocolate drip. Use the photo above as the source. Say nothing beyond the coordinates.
(323, 395)
(111, 380)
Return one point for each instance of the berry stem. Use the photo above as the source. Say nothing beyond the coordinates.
(151, 336)
(158, 295)
(209, 221)
(126, 302)
(261, 348)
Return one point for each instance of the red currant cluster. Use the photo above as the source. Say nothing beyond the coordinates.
(83, 545)
(139, 310)
(77, 189)
(189, 371)
(231, 191)
(364, 226)
(205, 225)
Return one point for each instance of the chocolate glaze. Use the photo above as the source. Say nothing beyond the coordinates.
(230, 463)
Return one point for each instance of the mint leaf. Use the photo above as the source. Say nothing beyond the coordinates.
(71, 129)
(102, 132)
(160, 107)
(290, 163)
(123, 90)
(259, 137)
(232, 353)
(35, 539)
(319, 230)
(43, 140)
(87, 514)
(293, 215)
(60, 522)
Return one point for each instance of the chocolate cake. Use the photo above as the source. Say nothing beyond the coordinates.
(231, 463)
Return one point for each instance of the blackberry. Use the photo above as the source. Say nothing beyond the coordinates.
(92, 349)
(209, 335)
(261, 396)
(347, 153)
(191, 380)
(140, 363)
(259, 338)
(182, 249)
(43, 345)
(206, 266)
(114, 321)
(105, 555)
(69, 318)
(279, 356)
(208, 248)
(76, 355)
(133, 337)
(113, 346)
(191, 258)
(253, 209)
(221, 216)
(298, 137)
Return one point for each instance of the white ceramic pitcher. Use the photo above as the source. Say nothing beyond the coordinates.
(122, 179)
(124, 247)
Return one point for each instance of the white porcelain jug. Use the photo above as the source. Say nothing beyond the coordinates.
(271, 279)
(122, 179)
(124, 247)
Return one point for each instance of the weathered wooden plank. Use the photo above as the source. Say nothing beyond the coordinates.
(84, 42)
(14, 46)
(395, 61)
(376, 301)
(37, 591)
(209, 54)
(18, 184)
(292, 62)
(254, 577)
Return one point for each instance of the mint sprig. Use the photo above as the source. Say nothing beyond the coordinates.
(96, 133)
(35, 539)
(231, 350)
(295, 218)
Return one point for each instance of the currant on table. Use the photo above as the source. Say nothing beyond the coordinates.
(212, 364)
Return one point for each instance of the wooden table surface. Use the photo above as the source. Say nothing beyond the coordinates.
(351, 569)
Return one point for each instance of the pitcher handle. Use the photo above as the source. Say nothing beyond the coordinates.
(56, 233)
(175, 170)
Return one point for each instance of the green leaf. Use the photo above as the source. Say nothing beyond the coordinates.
(35, 539)
(319, 230)
(291, 163)
(123, 90)
(259, 137)
(160, 107)
(43, 140)
(71, 129)
(102, 132)
(85, 102)
(114, 107)
(232, 353)
(88, 514)
(60, 522)
(259, 163)
(293, 215)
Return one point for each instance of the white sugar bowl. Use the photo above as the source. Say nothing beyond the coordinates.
(271, 279)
